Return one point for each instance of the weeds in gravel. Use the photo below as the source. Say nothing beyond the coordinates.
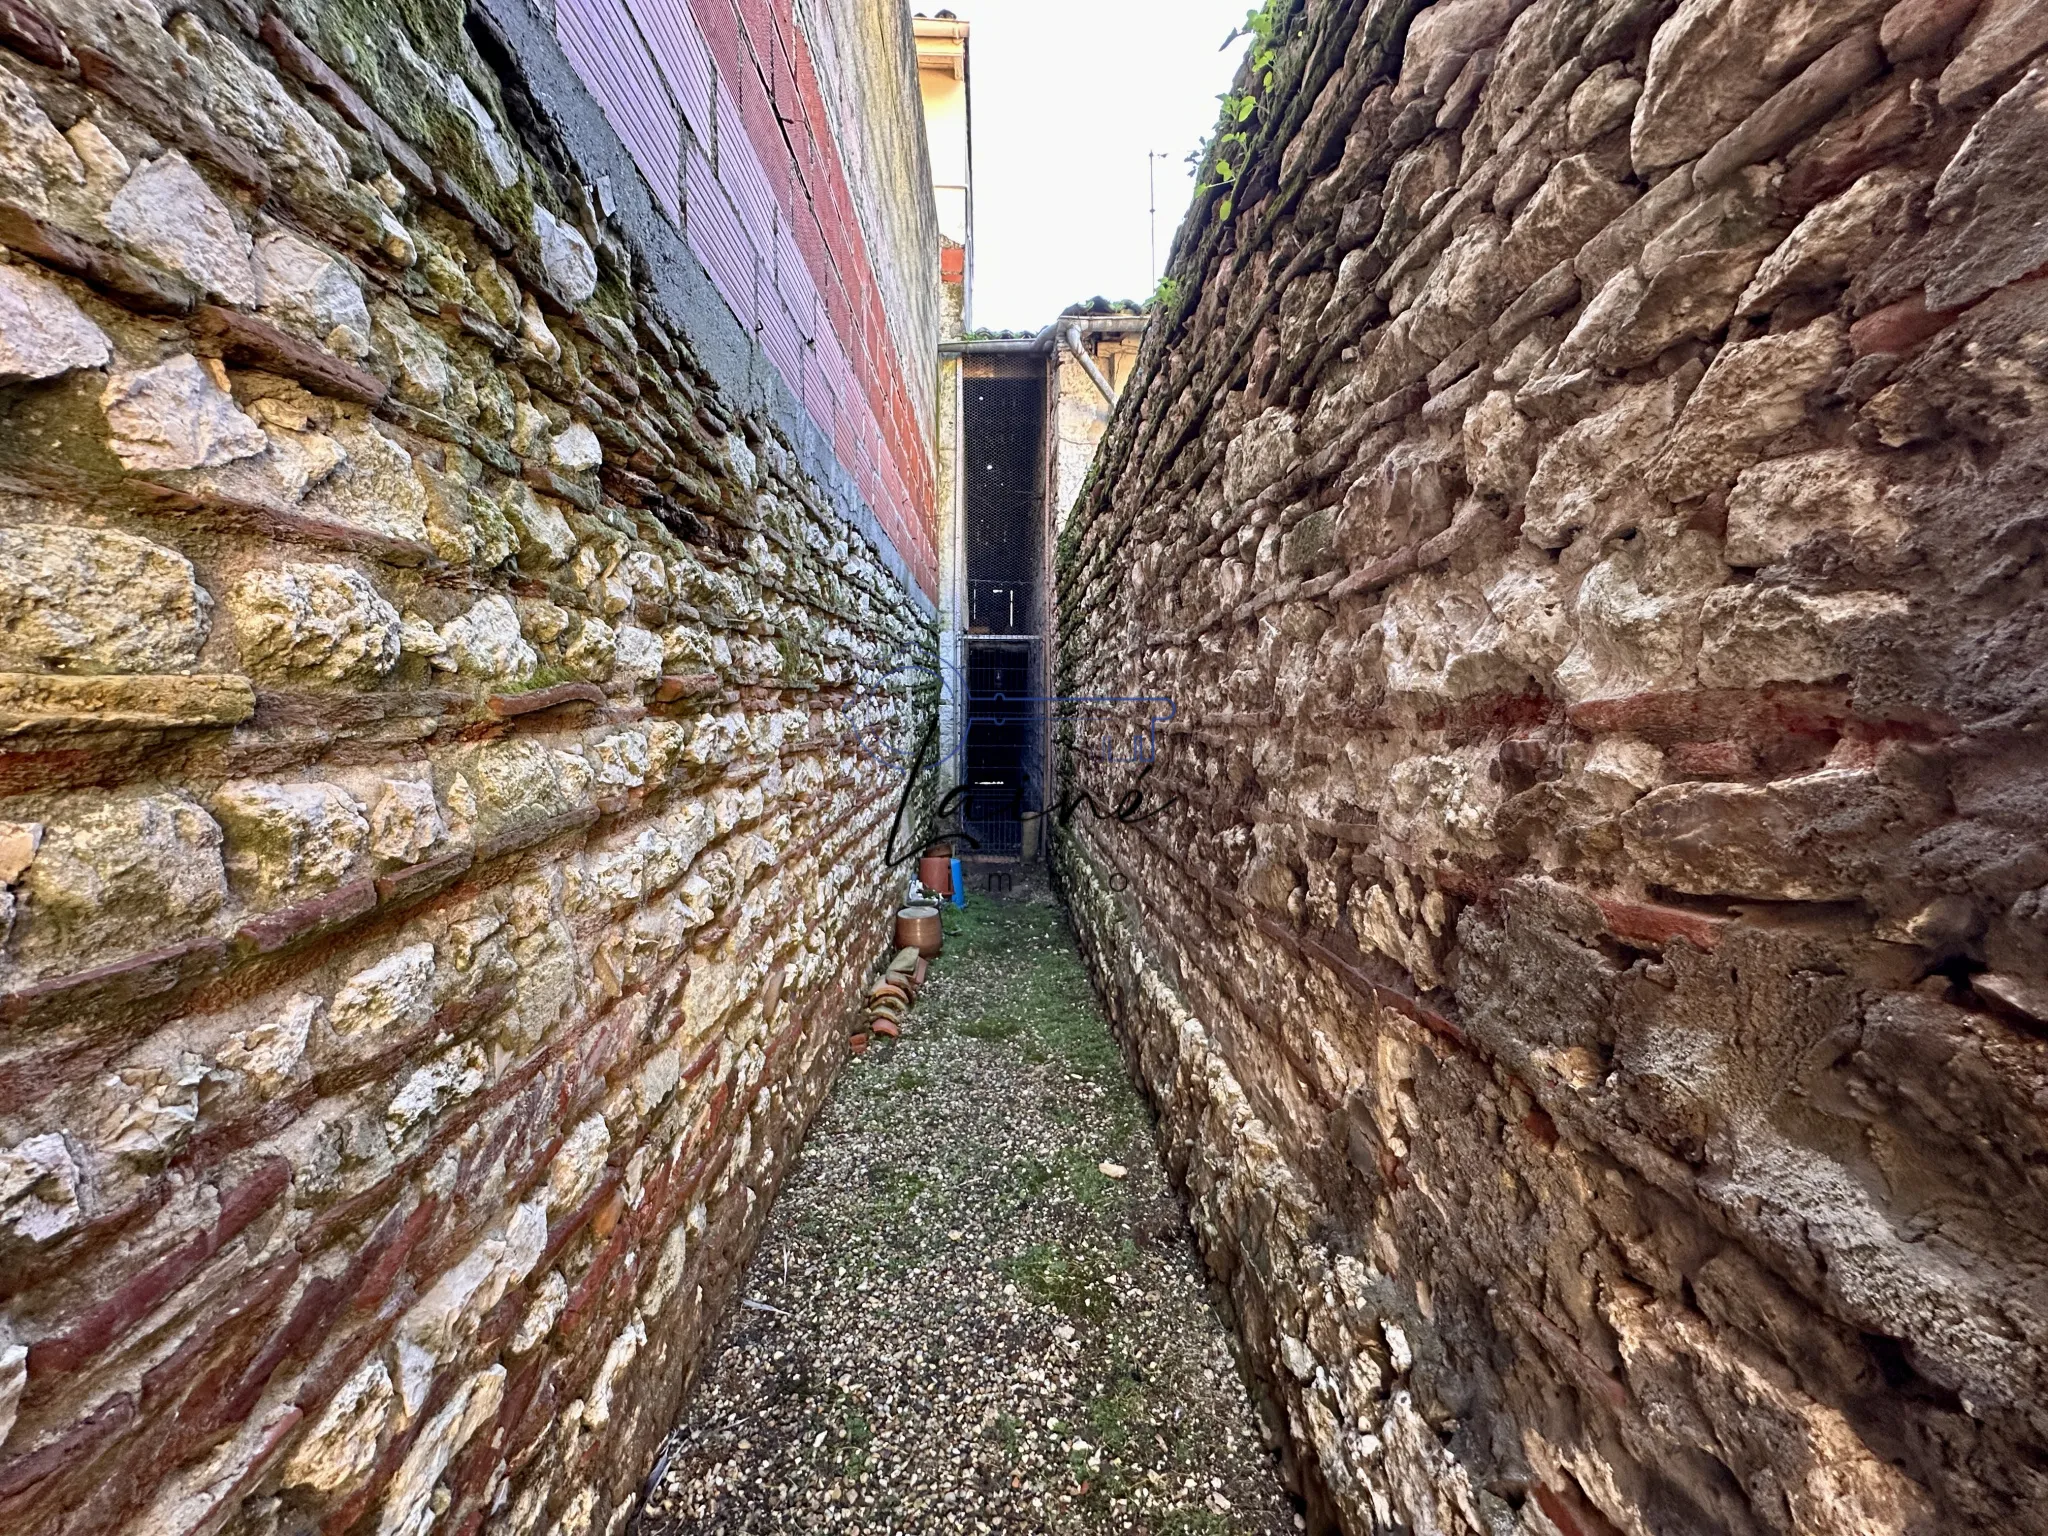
(988, 1321)
(1026, 964)
(1066, 1281)
(1081, 1173)
(1070, 1035)
(1113, 1409)
(1030, 1177)
(896, 1191)
(990, 1028)
(1193, 1522)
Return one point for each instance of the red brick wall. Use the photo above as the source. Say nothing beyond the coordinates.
(721, 108)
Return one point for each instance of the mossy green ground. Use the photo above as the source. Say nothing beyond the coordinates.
(975, 1327)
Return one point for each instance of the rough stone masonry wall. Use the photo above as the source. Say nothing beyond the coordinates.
(1586, 502)
(433, 862)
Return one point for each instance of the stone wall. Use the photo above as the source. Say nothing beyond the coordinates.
(1583, 495)
(435, 862)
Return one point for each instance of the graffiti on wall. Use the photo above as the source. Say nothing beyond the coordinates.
(1103, 750)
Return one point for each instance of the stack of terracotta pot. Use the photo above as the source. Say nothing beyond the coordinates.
(889, 999)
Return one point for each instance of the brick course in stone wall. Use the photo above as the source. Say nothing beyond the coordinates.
(436, 863)
(1585, 502)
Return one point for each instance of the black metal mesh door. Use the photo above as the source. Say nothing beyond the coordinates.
(1005, 451)
(1003, 446)
(1002, 744)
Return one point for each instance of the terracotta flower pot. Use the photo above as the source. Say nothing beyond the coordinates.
(935, 873)
(918, 928)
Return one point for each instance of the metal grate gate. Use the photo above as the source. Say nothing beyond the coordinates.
(1003, 447)
(1004, 431)
(1002, 743)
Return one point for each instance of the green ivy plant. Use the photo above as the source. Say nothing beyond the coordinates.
(1261, 24)
(1230, 146)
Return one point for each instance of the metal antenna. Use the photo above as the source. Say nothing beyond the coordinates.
(1152, 159)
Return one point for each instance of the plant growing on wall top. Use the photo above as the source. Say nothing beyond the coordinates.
(1229, 147)
(1261, 23)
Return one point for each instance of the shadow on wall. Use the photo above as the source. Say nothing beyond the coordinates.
(1594, 967)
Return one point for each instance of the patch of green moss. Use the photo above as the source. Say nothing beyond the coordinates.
(368, 40)
(1067, 1282)
(546, 675)
(798, 669)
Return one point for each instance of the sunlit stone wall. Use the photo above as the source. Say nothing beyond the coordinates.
(437, 857)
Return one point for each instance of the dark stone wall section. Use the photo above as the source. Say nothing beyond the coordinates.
(1584, 497)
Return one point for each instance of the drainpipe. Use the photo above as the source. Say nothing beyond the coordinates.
(1073, 340)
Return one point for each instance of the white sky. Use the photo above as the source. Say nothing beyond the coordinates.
(1068, 97)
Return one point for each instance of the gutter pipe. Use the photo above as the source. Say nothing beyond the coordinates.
(1073, 340)
(1049, 338)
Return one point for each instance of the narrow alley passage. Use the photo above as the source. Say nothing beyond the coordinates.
(976, 1306)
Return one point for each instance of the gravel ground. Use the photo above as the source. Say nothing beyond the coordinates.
(977, 1307)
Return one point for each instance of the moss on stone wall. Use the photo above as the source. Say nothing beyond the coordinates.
(437, 855)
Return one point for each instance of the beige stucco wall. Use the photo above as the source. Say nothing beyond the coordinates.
(943, 74)
(945, 118)
(1081, 416)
